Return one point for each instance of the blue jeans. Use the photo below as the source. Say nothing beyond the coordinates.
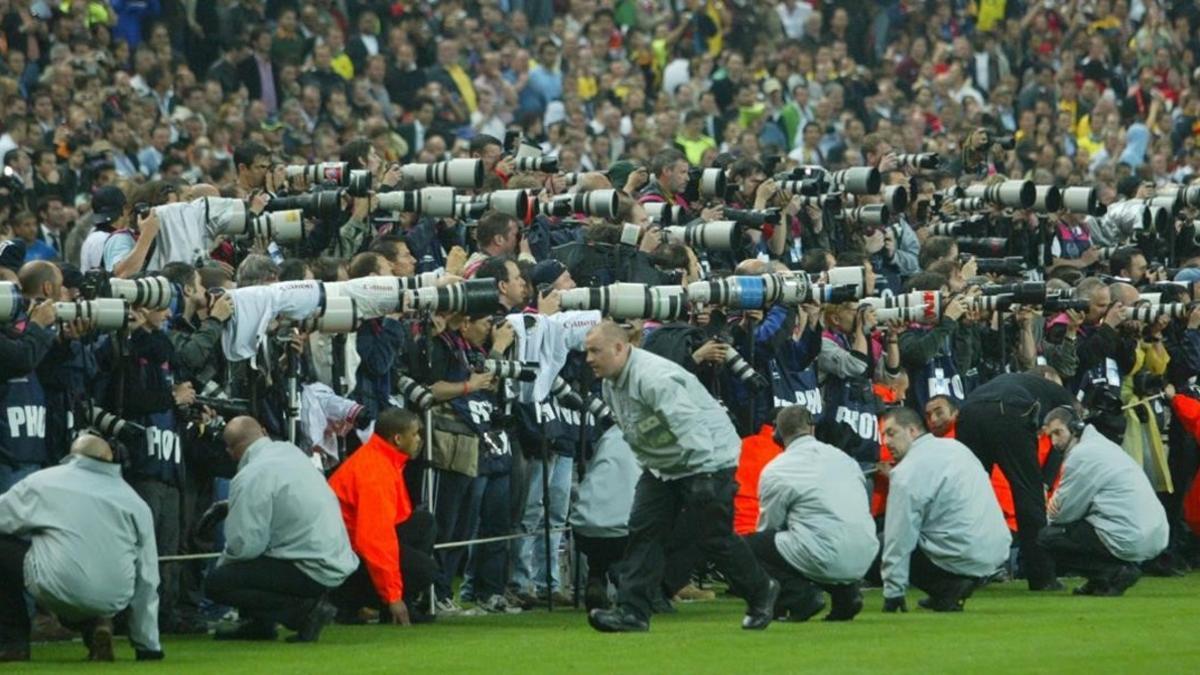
(530, 559)
(452, 515)
(487, 564)
(11, 475)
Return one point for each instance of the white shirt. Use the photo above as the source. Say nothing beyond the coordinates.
(940, 498)
(816, 497)
(793, 21)
(1103, 485)
(91, 255)
(675, 74)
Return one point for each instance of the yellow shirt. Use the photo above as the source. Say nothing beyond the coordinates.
(342, 65)
(695, 149)
(1083, 136)
(463, 82)
(587, 87)
(990, 11)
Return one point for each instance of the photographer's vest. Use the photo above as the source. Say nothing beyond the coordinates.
(851, 417)
(938, 377)
(797, 388)
(1072, 242)
(478, 410)
(23, 424)
(159, 456)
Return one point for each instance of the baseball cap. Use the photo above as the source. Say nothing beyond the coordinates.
(547, 272)
(619, 172)
(107, 205)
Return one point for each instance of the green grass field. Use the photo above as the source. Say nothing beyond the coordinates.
(1155, 628)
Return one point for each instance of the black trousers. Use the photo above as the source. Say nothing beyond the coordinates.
(165, 505)
(14, 613)
(925, 574)
(602, 553)
(265, 589)
(417, 567)
(657, 507)
(796, 590)
(1001, 434)
(1077, 548)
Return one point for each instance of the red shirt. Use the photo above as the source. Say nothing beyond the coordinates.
(374, 499)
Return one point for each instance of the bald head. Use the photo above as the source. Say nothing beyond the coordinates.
(90, 445)
(40, 279)
(201, 190)
(608, 349)
(240, 433)
(1124, 293)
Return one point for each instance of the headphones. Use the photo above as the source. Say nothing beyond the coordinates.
(1075, 424)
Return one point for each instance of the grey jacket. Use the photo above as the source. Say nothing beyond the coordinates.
(606, 491)
(93, 551)
(940, 498)
(1105, 486)
(281, 507)
(815, 495)
(675, 427)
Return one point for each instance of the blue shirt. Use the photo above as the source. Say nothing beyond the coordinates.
(39, 250)
(543, 87)
(117, 248)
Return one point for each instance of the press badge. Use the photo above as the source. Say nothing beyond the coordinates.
(655, 432)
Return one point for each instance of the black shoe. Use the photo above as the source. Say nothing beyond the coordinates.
(13, 653)
(250, 629)
(1123, 580)
(941, 604)
(759, 615)
(98, 640)
(847, 603)
(596, 595)
(317, 618)
(661, 605)
(953, 600)
(616, 621)
(804, 611)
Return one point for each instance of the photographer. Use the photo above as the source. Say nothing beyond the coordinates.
(928, 350)
(466, 449)
(496, 234)
(669, 179)
(379, 342)
(1094, 336)
(23, 347)
(137, 384)
(196, 325)
(70, 364)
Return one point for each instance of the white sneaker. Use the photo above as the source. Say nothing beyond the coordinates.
(448, 607)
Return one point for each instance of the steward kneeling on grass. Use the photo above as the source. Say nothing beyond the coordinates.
(1104, 516)
(944, 530)
(81, 542)
(815, 524)
(285, 544)
(394, 542)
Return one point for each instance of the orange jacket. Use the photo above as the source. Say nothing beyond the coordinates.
(1004, 491)
(374, 499)
(880, 492)
(1187, 411)
(757, 450)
